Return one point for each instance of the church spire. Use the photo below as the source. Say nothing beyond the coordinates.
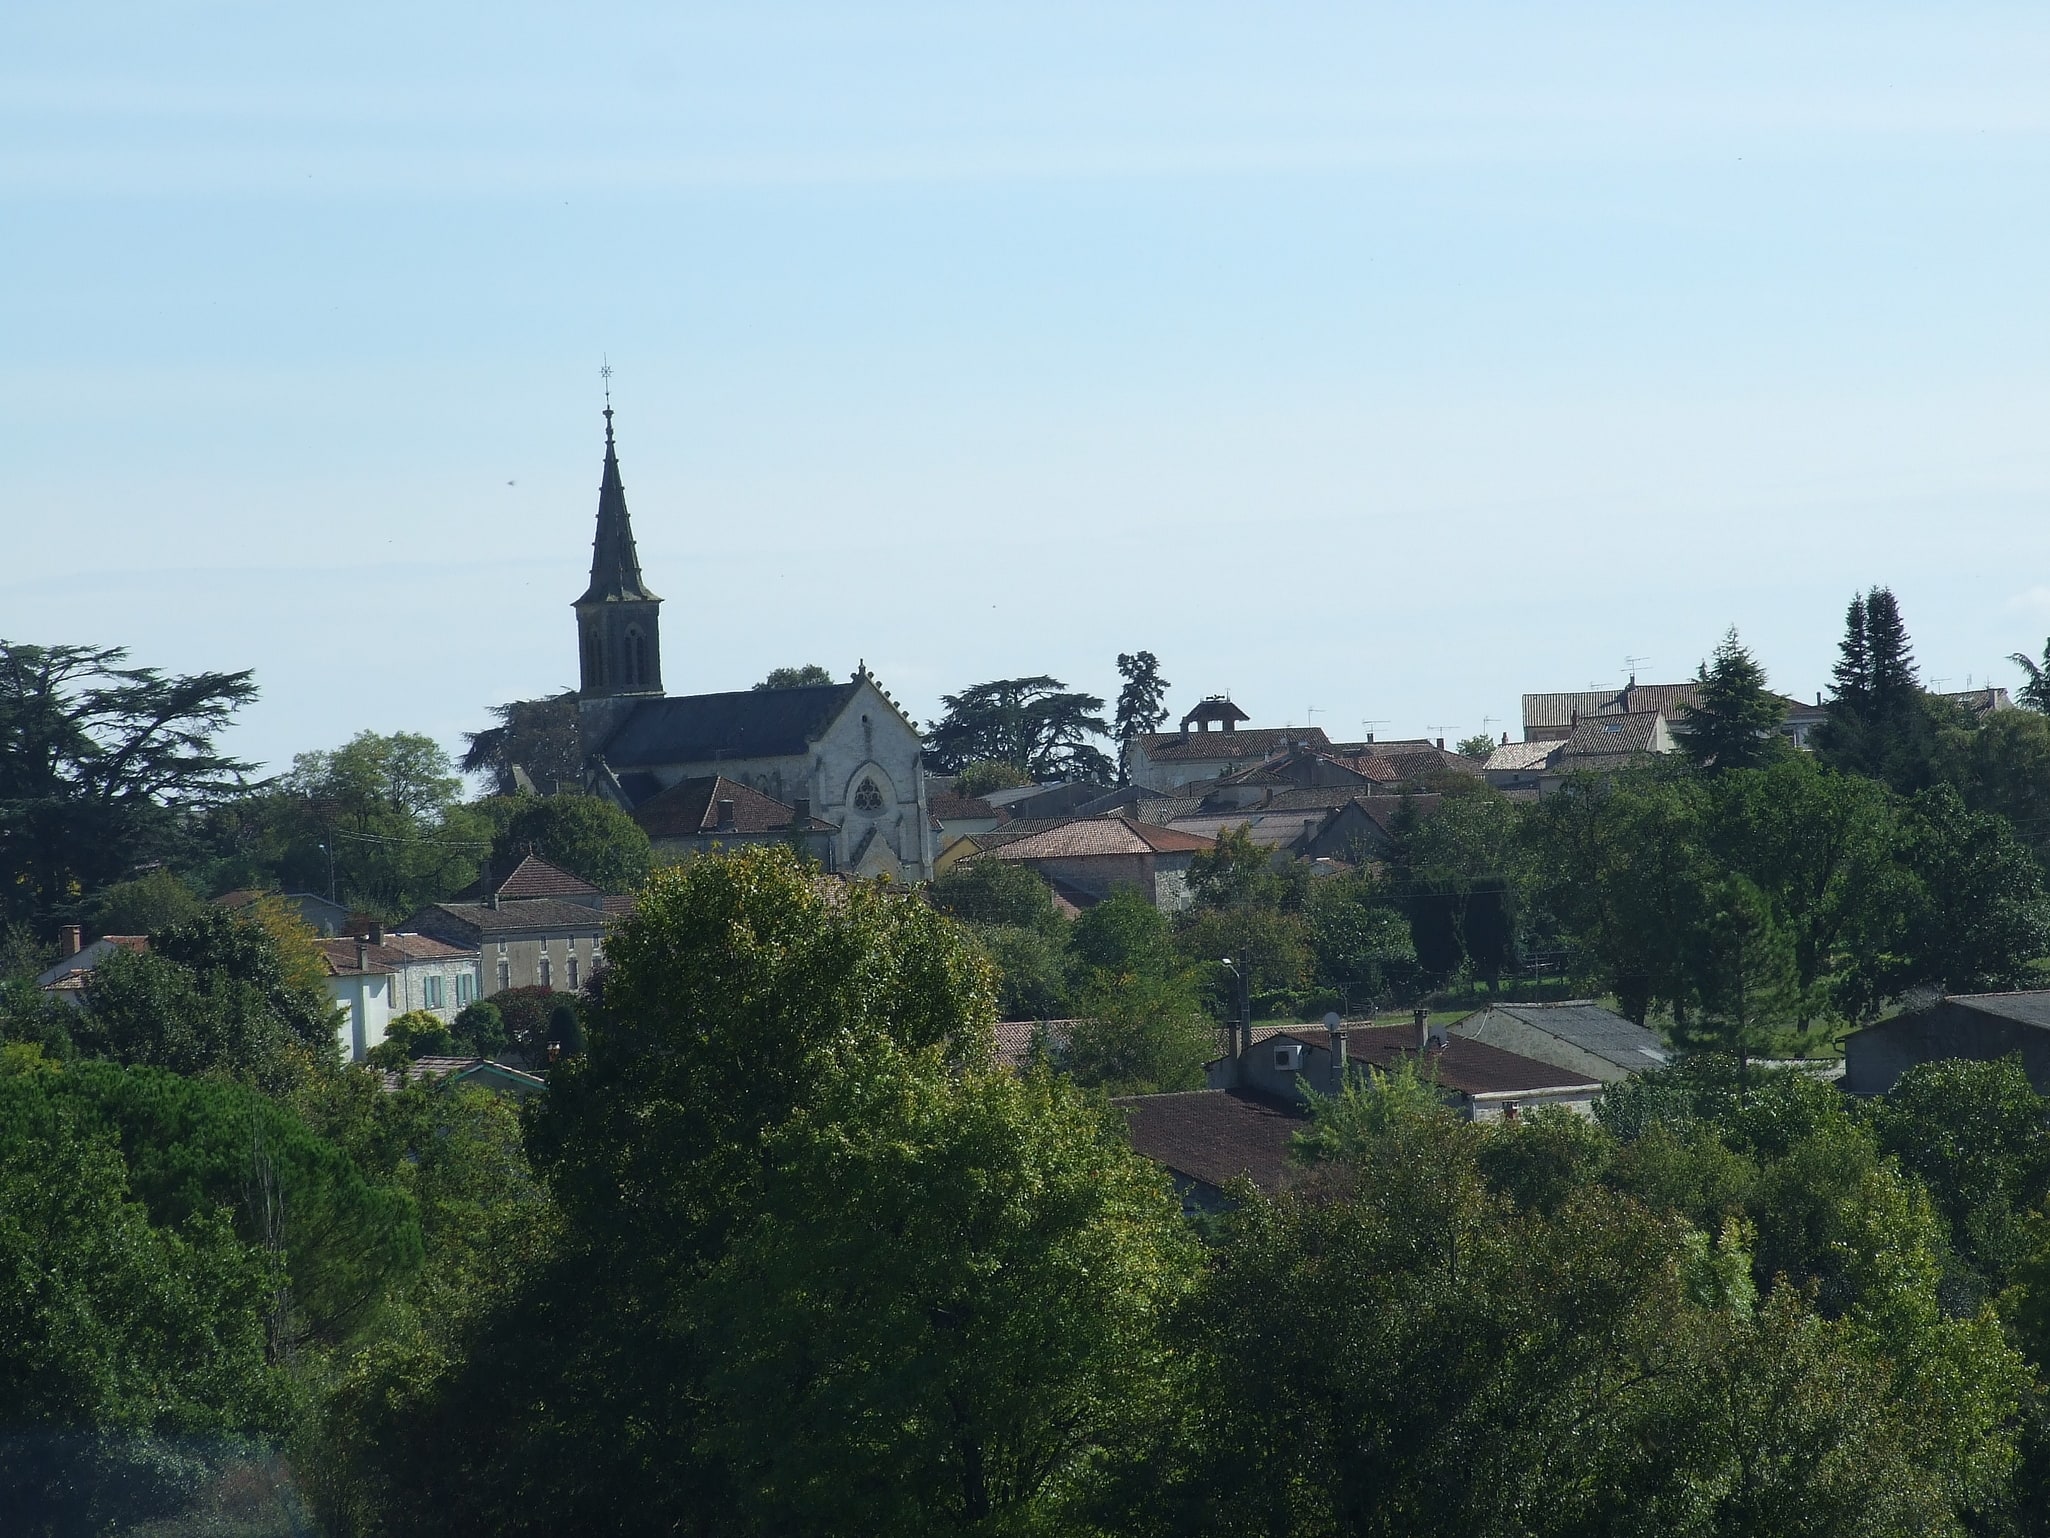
(615, 567)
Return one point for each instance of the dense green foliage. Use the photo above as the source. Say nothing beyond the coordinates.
(1037, 725)
(585, 835)
(809, 675)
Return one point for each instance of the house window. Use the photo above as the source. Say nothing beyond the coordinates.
(431, 988)
(572, 974)
(466, 988)
(504, 974)
(547, 974)
(867, 798)
(501, 947)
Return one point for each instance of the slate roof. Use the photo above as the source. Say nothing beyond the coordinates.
(1581, 1024)
(946, 806)
(746, 723)
(1115, 835)
(1602, 735)
(615, 567)
(2032, 1008)
(1215, 1135)
(494, 1075)
(1462, 1064)
(532, 877)
(690, 808)
(1208, 747)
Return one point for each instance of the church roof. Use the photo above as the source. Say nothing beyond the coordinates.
(747, 723)
(691, 807)
(615, 566)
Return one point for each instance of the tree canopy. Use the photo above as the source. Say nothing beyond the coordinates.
(1036, 724)
(1141, 706)
(810, 675)
(586, 835)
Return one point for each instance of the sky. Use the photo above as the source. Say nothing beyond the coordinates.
(1376, 364)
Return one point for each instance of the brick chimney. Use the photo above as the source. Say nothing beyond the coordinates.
(70, 941)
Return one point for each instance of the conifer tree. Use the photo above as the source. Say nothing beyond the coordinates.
(1736, 725)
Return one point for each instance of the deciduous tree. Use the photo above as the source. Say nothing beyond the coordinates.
(1037, 724)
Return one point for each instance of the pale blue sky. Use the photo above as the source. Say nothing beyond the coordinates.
(1387, 360)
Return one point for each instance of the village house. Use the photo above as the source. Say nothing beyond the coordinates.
(1167, 761)
(1577, 1035)
(69, 976)
(1087, 858)
(375, 976)
(539, 926)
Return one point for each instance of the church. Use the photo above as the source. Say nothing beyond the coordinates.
(844, 760)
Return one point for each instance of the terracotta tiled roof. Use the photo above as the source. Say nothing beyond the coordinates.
(1469, 1067)
(1215, 1135)
(690, 809)
(347, 956)
(1101, 836)
(532, 877)
(1209, 747)
(1014, 1039)
(1521, 756)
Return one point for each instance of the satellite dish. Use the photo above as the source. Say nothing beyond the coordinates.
(1333, 1021)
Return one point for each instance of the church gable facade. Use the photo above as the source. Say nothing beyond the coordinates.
(843, 752)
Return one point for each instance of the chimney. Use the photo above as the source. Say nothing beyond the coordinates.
(725, 812)
(1335, 1025)
(1230, 725)
(1309, 833)
(1423, 1029)
(494, 900)
(1441, 744)
(362, 956)
(800, 812)
(376, 932)
(70, 941)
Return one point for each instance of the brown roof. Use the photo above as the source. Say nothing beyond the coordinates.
(545, 915)
(1461, 1064)
(347, 956)
(1119, 834)
(1014, 1039)
(690, 809)
(1208, 747)
(1215, 1135)
(532, 877)
(1556, 711)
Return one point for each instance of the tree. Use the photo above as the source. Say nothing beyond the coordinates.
(211, 993)
(2002, 765)
(1880, 722)
(996, 892)
(386, 807)
(947, 1306)
(102, 768)
(986, 775)
(810, 676)
(1141, 704)
(1140, 1034)
(1479, 747)
(1124, 935)
(1744, 983)
(586, 835)
(1736, 725)
(1035, 724)
(1982, 916)
(480, 1029)
(523, 1015)
(534, 739)
(2034, 694)
(132, 1349)
(1361, 942)
(150, 902)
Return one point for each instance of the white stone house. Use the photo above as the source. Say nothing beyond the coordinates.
(376, 976)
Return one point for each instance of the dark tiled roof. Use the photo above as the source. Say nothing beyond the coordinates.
(691, 807)
(748, 723)
(532, 915)
(1208, 747)
(1215, 1135)
(1469, 1067)
(532, 877)
(421, 1069)
(347, 956)
(1603, 736)
(949, 807)
(1553, 712)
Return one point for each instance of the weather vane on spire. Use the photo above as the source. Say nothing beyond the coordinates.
(605, 373)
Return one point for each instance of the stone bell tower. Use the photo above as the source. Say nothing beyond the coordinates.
(619, 641)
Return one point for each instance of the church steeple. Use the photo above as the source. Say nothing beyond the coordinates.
(617, 616)
(615, 567)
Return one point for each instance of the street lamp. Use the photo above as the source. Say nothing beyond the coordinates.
(1242, 1004)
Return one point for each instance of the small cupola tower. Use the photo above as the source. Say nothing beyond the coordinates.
(619, 646)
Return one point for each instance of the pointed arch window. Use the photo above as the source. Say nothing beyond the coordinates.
(636, 658)
(594, 660)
